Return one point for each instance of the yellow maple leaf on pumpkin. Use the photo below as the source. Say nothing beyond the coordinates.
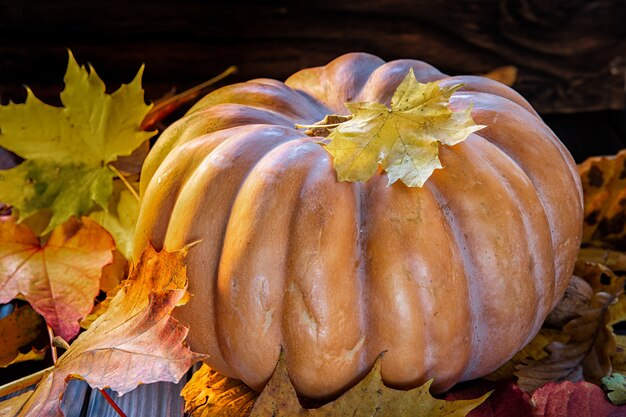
(404, 139)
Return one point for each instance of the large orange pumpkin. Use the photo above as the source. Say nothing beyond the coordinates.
(450, 279)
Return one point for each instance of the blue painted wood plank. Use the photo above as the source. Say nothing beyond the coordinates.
(161, 399)
(73, 402)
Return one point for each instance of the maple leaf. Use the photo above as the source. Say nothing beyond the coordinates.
(59, 279)
(506, 399)
(572, 399)
(211, 394)
(135, 341)
(369, 397)
(67, 150)
(18, 329)
(404, 139)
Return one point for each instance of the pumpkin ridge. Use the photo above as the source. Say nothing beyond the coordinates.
(174, 177)
(218, 182)
(388, 76)
(530, 227)
(458, 245)
(503, 115)
(247, 259)
(477, 84)
(362, 190)
(259, 93)
(474, 200)
(321, 324)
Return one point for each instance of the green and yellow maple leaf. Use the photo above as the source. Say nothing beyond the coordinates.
(67, 150)
(403, 139)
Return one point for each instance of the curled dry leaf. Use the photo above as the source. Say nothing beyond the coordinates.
(59, 279)
(210, 394)
(20, 328)
(586, 354)
(604, 188)
(369, 397)
(507, 75)
(569, 399)
(135, 341)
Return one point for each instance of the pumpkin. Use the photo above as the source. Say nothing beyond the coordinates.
(450, 280)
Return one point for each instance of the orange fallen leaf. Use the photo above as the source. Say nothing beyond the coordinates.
(59, 279)
(18, 329)
(135, 341)
(211, 394)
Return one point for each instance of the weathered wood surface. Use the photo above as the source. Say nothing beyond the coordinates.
(571, 54)
(161, 399)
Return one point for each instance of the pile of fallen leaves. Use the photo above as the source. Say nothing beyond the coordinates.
(65, 278)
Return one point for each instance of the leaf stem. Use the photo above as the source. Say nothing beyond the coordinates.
(53, 348)
(163, 108)
(125, 181)
(328, 126)
(112, 403)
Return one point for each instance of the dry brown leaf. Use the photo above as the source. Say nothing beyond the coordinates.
(368, 398)
(12, 406)
(586, 355)
(59, 279)
(507, 75)
(534, 351)
(614, 260)
(135, 341)
(114, 273)
(604, 189)
(18, 329)
(210, 394)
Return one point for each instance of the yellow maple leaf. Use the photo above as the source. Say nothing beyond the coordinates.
(404, 139)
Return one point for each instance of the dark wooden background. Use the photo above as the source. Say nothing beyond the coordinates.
(571, 54)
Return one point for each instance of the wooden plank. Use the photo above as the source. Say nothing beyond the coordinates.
(161, 399)
(75, 397)
(571, 55)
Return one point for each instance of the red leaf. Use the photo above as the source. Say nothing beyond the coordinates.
(59, 279)
(506, 400)
(573, 399)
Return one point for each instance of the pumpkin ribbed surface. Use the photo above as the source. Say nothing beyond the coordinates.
(450, 279)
